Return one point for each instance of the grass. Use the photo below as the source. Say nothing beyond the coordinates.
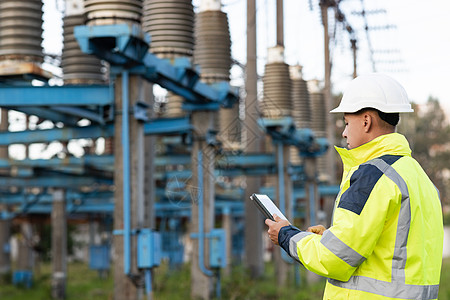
(85, 284)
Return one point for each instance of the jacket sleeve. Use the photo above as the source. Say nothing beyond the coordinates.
(359, 220)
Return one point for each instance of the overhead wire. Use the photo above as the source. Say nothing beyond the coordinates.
(369, 42)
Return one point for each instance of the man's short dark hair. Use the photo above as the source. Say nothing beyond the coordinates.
(390, 118)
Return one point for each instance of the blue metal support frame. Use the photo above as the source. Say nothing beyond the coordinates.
(55, 134)
(60, 181)
(283, 131)
(201, 232)
(126, 45)
(168, 126)
(96, 161)
(119, 44)
(126, 174)
(80, 112)
(47, 114)
(71, 95)
(174, 126)
(280, 166)
(312, 201)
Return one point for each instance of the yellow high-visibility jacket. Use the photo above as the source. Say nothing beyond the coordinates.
(386, 238)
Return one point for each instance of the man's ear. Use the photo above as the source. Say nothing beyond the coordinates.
(367, 119)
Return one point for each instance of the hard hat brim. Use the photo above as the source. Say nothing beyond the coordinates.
(386, 109)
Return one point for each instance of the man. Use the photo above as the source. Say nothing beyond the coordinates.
(386, 237)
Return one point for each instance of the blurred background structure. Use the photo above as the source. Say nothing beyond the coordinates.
(141, 140)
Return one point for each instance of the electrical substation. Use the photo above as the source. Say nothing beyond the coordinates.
(173, 178)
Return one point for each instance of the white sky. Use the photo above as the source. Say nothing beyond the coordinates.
(420, 37)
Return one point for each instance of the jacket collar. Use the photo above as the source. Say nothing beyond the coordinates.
(393, 144)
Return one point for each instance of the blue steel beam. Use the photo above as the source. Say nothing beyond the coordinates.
(79, 95)
(63, 181)
(55, 134)
(161, 209)
(245, 160)
(227, 165)
(70, 208)
(168, 126)
(45, 198)
(184, 81)
(283, 131)
(120, 44)
(154, 127)
(47, 114)
(80, 112)
(96, 161)
(125, 45)
(299, 192)
(226, 160)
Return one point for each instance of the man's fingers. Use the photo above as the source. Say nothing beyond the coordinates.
(269, 222)
(319, 229)
(276, 218)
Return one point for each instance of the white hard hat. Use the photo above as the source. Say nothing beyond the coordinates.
(374, 91)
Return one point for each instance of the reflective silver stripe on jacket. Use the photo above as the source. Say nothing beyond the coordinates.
(293, 244)
(341, 250)
(397, 288)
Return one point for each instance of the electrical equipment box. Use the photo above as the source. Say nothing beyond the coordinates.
(217, 248)
(148, 249)
(99, 257)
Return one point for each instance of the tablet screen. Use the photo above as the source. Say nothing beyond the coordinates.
(269, 205)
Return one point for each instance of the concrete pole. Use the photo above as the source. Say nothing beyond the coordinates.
(354, 48)
(280, 23)
(124, 286)
(5, 257)
(150, 145)
(59, 245)
(202, 189)
(25, 252)
(328, 97)
(4, 124)
(254, 222)
(312, 202)
(284, 189)
(227, 225)
(5, 224)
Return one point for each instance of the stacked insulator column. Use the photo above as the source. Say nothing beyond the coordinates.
(171, 27)
(277, 95)
(301, 111)
(78, 67)
(301, 103)
(212, 45)
(318, 121)
(212, 53)
(103, 12)
(277, 86)
(21, 30)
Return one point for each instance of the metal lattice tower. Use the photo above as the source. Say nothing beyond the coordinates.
(78, 67)
(21, 30)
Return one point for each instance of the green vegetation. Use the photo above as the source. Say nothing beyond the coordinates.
(428, 131)
(85, 284)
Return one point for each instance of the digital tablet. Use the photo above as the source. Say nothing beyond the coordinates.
(266, 206)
